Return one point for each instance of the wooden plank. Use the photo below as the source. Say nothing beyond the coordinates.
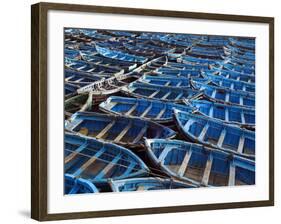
(207, 170)
(184, 163)
(106, 129)
(241, 100)
(232, 86)
(231, 178)
(227, 97)
(140, 135)
(132, 109)
(214, 93)
(226, 114)
(146, 110)
(111, 105)
(89, 162)
(84, 66)
(243, 117)
(106, 169)
(241, 144)
(204, 131)
(179, 96)
(154, 93)
(123, 132)
(166, 95)
(179, 84)
(167, 83)
(221, 138)
(161, 112)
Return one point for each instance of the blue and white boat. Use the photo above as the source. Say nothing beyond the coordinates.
(172, 94)
(169, 81)
(148, 184)
(122, 130)
(78, 185)
(120, 55)
(244, 117)
(216, 134)
(95, 160)
(153, 110)
(200, 165)
(226, 83)
(226, 96)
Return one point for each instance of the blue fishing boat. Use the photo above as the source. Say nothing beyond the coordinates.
(226, 96)
(98, 59)
(224, 82)
(236, 68)
(173, 94)
(92, 68)
(70, 90)
(120, 55)
(241, 62)
(200, 165)
(187, 73)
(241, 116)
(197, 51)
(74, 185)
(188, 59)
(231, 75)
(216, 134)
(95, 160)
(169, 81)
(122, 130)
(148, 184)
(81, 102)
(79, 78)
(249, 45)
(186, 66)
(154, 110)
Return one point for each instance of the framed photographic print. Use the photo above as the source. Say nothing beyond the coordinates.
(138, 111)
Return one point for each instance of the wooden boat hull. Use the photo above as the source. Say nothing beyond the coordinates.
(125, 131)
(153, 110)
(148, 184)
(225, 96)
(97, 161)
(216, 134)
(199, 165)
(172, 94)
(240, 116)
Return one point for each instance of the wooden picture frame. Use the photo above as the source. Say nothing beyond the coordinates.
(39, 108)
